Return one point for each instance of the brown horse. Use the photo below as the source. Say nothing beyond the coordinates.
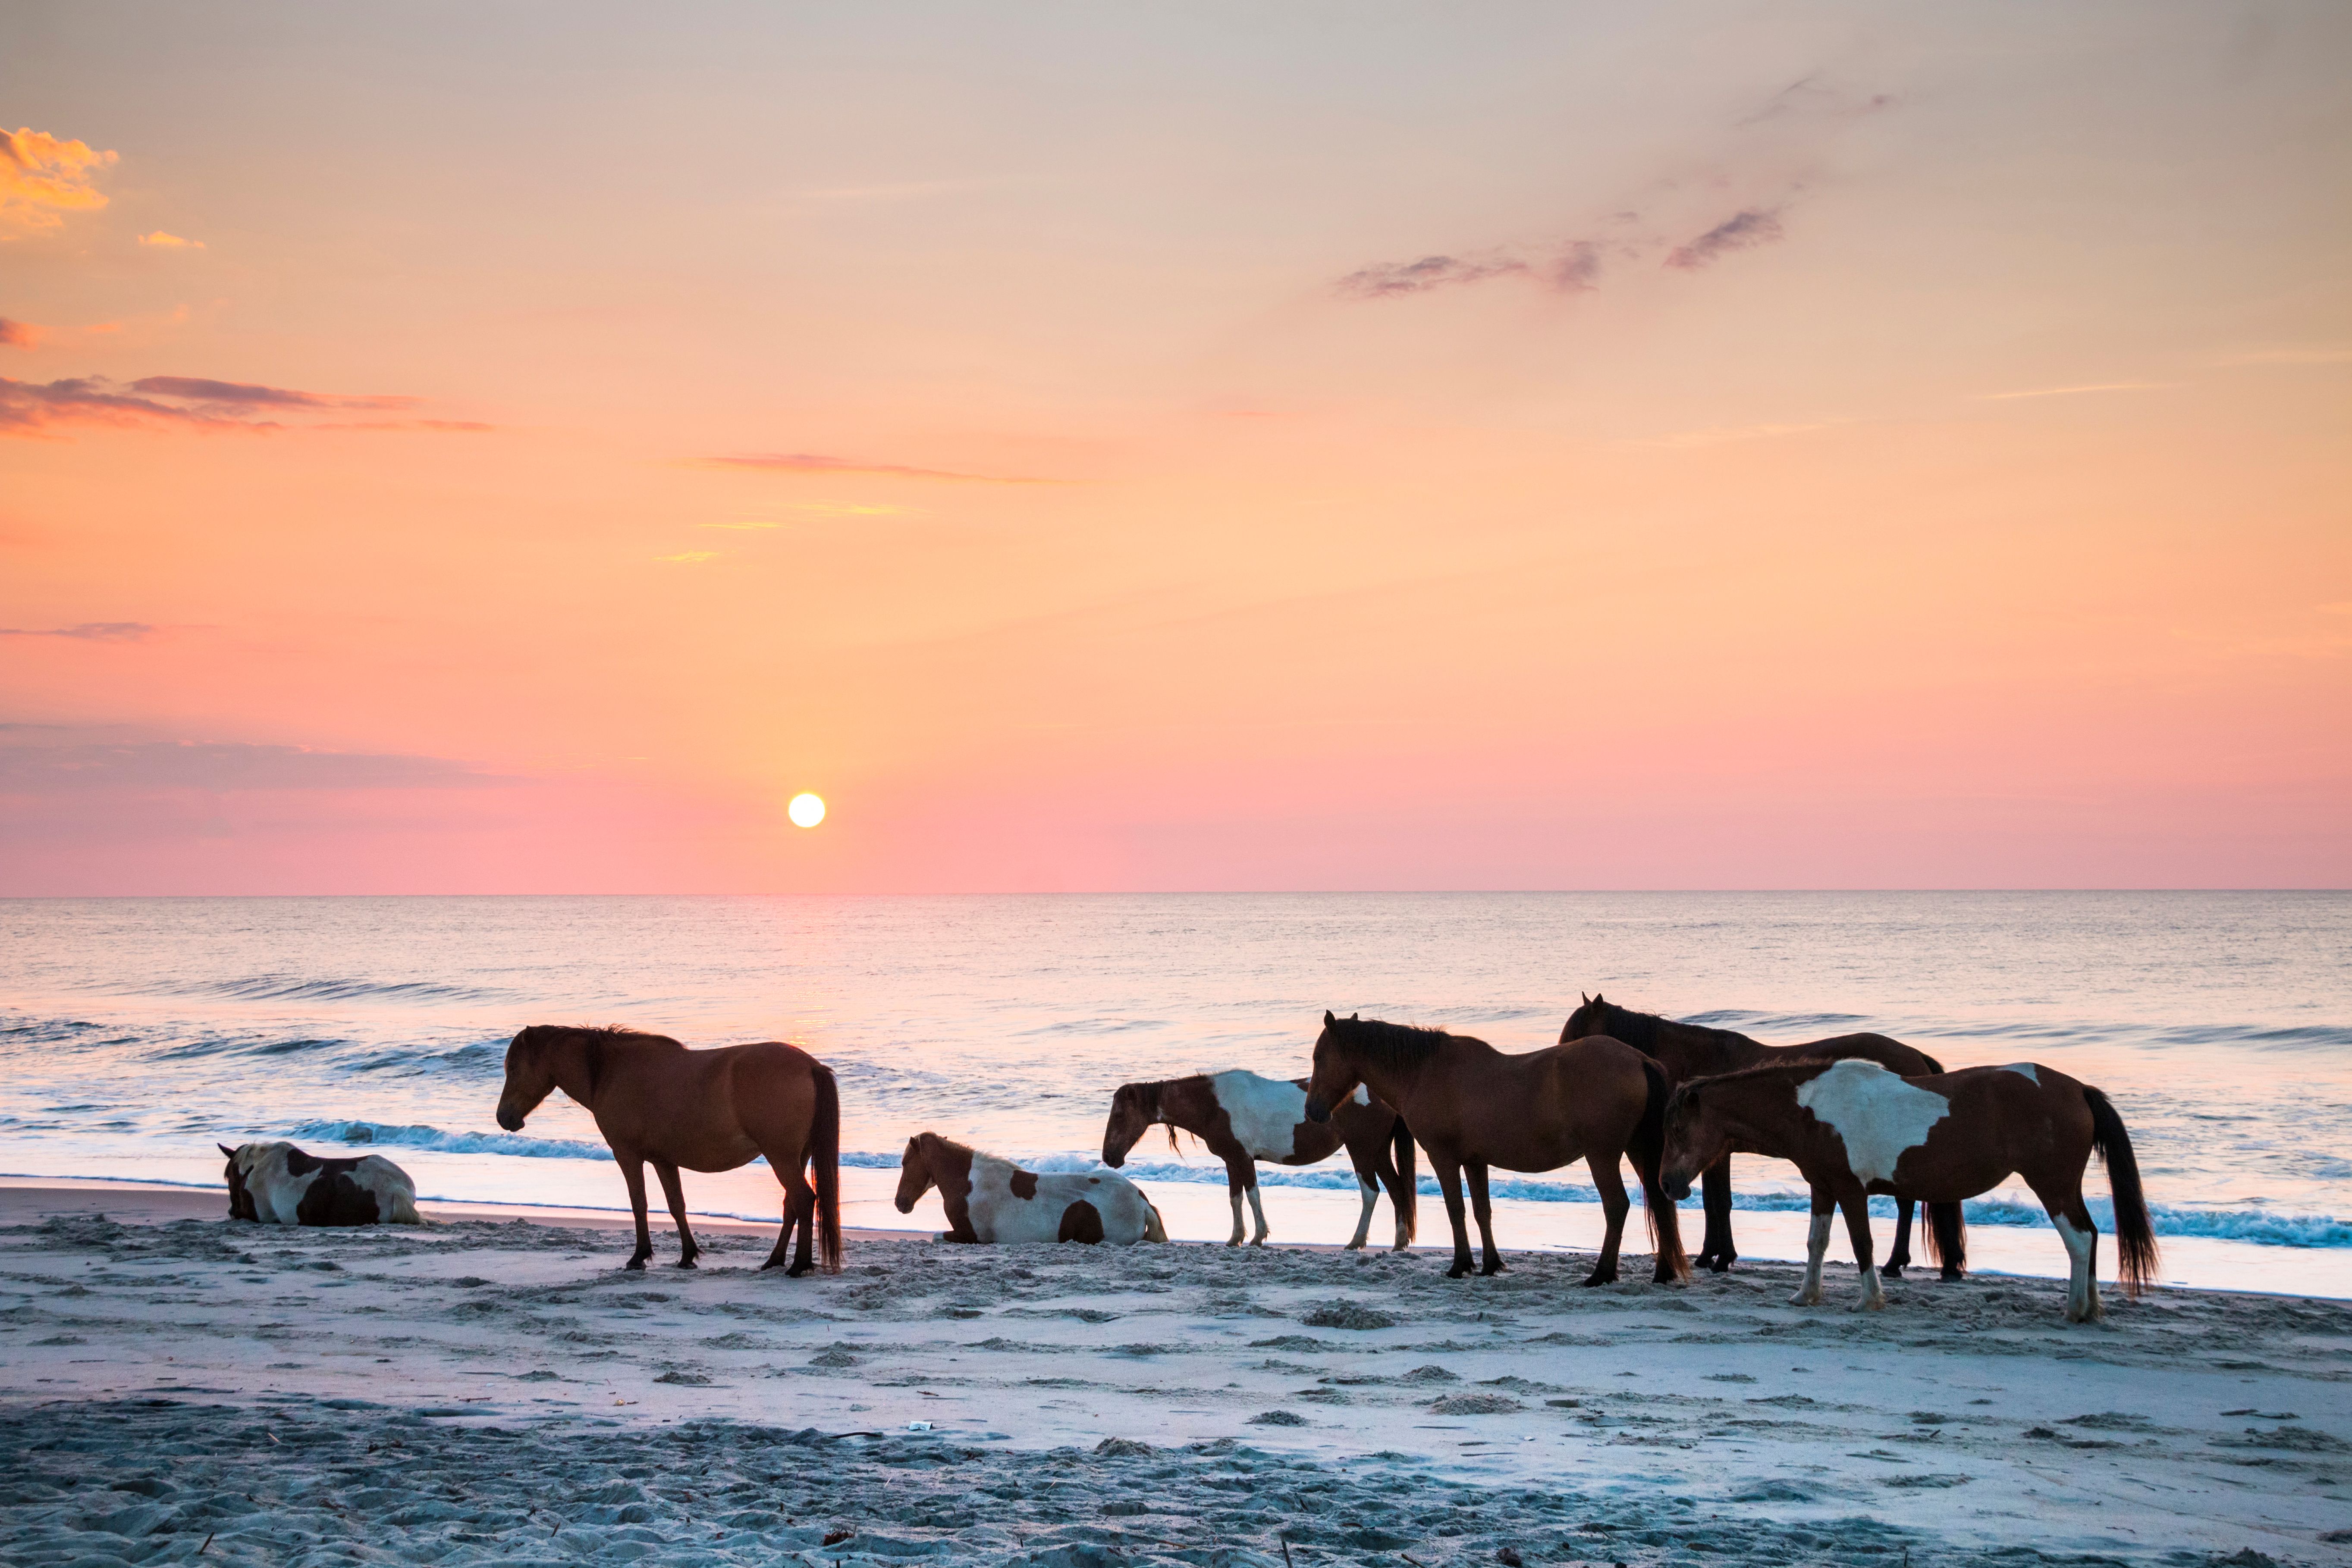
(1689, 1050)
(1853, 1128)
(1472, 1106)
(1245, 1118)
(699, 1110)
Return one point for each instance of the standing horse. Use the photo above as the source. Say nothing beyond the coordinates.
(699, 1110)
(1245, 1118)
(1472, 1106)
(1689, 1050)
(1853, 1128)
(990, 1199)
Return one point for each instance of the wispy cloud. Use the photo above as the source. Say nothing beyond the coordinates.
(47, 761)
(187, 402)
(689, 558)
(2076, 391)
(1744, 230)
(18, 334)
(158, 240)
(42, 178)
(88, 632)
(1386, 279)
(812, 463)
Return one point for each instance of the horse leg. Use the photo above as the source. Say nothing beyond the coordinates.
(676, 1194)
(1257, 1213)
(1817, 1242)
(1479, 1207)
(2080, 1234)
(1610, 1182)
(1898, 1257)
(1717, 1252)
(1368, 1186)
(800, 1215)
(1235, 1179)
(632, 1171)
(1449, 1182)
(1857, 1204)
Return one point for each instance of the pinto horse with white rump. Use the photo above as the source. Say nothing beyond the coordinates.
(278, 1184)
(1245, 1118)
(1852, 1128)
(1689, 1050)
(656, 1101)
(990, 1199)
(1472, 1106)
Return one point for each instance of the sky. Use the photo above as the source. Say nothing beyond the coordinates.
(515, 449)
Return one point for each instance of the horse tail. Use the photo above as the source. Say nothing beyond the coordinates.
(1406, 1194)
(1947, 1235)
(1154, 1228)
(824, 1159)
(1934, 1066)
(2135, 1257)
(1648, 1147)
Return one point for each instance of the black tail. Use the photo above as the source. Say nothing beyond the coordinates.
(1648, 1147)
(1934, 1066)
(1947, 1235)
(2136, 1257)
(1406, 1194)
(824, 1159)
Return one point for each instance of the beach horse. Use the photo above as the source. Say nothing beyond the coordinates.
(1471, 1107)
(1245, 1118)
(278, 1184)
(1689, 1050)
(1853, 1128)
(990, 1199)
(655, 1101)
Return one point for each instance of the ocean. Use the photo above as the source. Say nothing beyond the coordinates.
(135, 1034)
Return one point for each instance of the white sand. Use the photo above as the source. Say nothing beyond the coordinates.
(487, 1391)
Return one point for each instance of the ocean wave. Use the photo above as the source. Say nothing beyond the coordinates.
(296, 989)
(439, 1142)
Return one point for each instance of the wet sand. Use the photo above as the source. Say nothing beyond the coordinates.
(487, 1389)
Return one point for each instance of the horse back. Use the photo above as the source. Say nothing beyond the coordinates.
(1903, 1061)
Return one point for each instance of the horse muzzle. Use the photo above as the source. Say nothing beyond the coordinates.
(510, 1120)
(1318, 1110)
(1676, 1187)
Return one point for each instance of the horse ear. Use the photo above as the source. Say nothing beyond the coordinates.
(1355, 1017)
(1588, 1000)
(1327, 1020)
(1596, 998)
(226, 1150)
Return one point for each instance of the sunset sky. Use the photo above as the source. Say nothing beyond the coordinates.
(517, 448)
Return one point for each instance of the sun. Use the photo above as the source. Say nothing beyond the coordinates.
(806, 809)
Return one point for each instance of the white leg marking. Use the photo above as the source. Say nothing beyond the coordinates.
(1371, 1193)
(2083, 1288)
(1873, 1295)
(1257, 1212)
(1235, 1239)
(1817, 1243)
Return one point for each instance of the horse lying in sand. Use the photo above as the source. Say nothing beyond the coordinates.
(1472, 1106)
(1853, 1128)
(1689, 1050)
(656, 1101)
(990, 1199)
(1245, 1118)
(278, 1184)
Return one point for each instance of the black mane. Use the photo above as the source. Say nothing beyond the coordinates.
(1392, 1045)
(1640, 1030)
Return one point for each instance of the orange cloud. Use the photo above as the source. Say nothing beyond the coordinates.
(161, 241)
(811, 463)
(32, 408)
(42, 178)
(18, 334)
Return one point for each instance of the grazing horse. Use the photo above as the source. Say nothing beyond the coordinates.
(1244, 1119)
(1689, 1050)
(1472, 1106)
(989, 1200)
(1853, 1128)
(699, 1110)
(278, 1184)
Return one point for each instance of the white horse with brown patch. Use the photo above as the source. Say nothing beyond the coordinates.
(1245, 1118)
(278, 1184)
(990, 1199)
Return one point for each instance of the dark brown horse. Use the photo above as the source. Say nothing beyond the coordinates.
(1689, 1050)
(1245, 1118)
(1471, 1106)
(698, 1109)
(1853, 1128)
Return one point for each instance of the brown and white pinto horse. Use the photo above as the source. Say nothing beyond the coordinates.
(1853, 1128)
(990, 1199)
(1472, 1106)
(1689, 1050)
(656, 1101)
(1245, 1118)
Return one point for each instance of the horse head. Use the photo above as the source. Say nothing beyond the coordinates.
(1336, 1076)
(914, 1174)
(1133, 1110)
(531, 1075)
(1696, 1135)
(1591, 1018)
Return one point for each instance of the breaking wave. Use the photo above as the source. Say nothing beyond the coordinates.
(439, 1142)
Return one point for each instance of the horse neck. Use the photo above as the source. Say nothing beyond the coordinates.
(1392, 1082)
(1187, 1103)
(1688, 1050)
(578, 1065)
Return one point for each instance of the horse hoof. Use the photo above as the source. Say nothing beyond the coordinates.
(1891, 1272)
(1953, 1276)
(1492, 1269)
(637, 1263)
(1598, 1278)
(685, 1263)
(1459, 1271)
(1721, 1265)
(1804, 1298)
(771, 1264)
(797, 1269)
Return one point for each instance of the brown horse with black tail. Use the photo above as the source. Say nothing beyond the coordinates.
(1853, 1128)
(1689, 1050)
(1472, 1106)
(656, 1101)
(1245, 1118)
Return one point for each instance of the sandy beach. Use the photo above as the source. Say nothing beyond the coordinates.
(496, 1390)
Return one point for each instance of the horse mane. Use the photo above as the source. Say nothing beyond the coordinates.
(1391, 1045)
(1640, 1030)
(1809, 1066)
